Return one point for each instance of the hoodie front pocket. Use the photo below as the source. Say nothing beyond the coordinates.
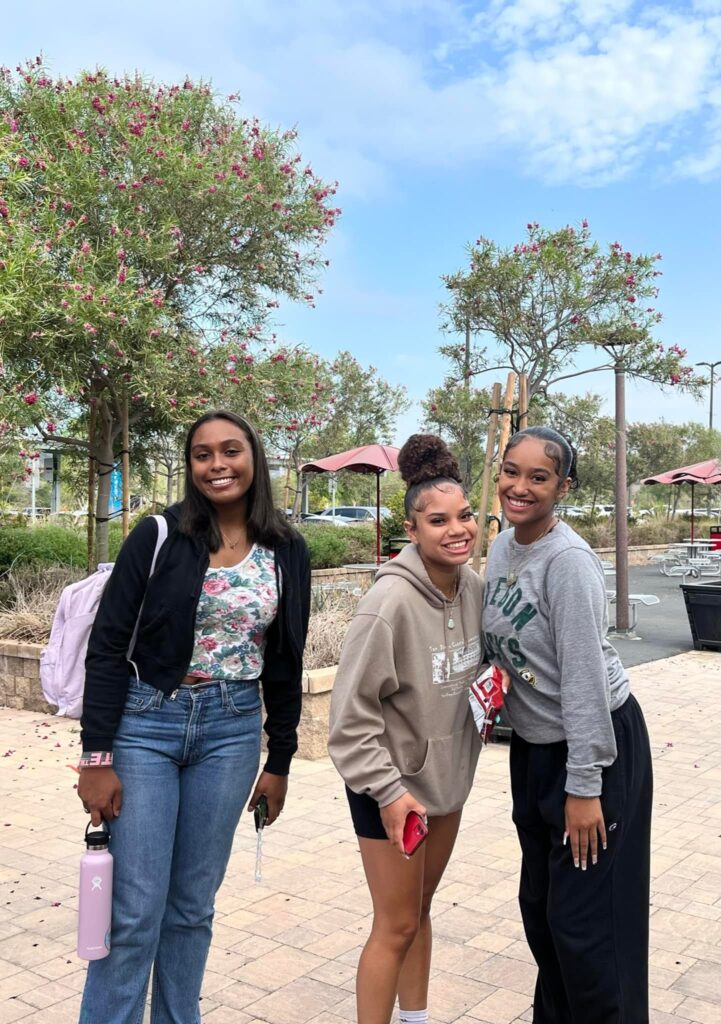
(443, 781)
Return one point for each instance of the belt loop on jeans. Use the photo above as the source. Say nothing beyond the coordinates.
(223, 693)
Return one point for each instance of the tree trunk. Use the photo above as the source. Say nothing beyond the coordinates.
(106, 431)
(154, 499)
(170, 467)
(91, 489)
(298, 494)
(125, 457)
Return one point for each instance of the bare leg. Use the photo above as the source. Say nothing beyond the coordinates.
(396, 957)
(396, 887)
(413, 980)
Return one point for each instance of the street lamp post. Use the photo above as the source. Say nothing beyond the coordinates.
(712, 368)
(619, 369)
(622, 608)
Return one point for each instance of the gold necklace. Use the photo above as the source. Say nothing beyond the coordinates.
(512, 573)
(232, 544)
(449, 600)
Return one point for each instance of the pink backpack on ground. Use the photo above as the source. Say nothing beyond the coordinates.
(62, 663)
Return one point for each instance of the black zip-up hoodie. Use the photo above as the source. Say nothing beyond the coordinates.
(166, 634)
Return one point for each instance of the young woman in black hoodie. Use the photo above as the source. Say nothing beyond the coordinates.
(171, 740)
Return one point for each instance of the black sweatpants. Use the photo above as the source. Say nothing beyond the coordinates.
(588, 930)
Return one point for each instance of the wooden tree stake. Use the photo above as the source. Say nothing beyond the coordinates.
(506, 421)
(486, 481)
(522, 401)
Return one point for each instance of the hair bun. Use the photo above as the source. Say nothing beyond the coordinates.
(427, 457)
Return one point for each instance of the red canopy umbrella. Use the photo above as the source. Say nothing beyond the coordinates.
(708, 472)
(369, 458)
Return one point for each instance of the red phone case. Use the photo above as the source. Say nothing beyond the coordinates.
(415, 831)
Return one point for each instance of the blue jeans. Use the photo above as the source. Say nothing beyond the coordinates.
(187, 765)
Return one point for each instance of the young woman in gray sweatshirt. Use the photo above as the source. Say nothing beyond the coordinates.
(580, 758)
(401, 732)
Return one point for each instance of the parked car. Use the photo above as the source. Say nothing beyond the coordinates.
(348, 515)
(329, 520)
(570, 511)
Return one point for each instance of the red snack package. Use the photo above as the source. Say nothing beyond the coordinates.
(486, 700)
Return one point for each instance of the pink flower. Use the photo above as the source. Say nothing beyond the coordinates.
(31, 398)
(121, 185)
(185, 126)
(215, 585)
(23, 162)
(51, 427)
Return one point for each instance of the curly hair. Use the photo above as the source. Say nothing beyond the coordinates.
(426, 461)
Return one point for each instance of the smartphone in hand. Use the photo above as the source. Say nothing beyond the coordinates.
(260, 813)
(415, 831)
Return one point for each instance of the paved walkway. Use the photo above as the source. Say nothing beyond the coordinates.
(285, 950)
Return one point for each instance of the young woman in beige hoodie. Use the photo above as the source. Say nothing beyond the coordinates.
(401, 733)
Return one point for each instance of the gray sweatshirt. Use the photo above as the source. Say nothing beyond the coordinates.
(549, 630)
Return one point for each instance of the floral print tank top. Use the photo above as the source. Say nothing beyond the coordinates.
(236, 607)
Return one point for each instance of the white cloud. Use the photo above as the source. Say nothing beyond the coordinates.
(580, 91)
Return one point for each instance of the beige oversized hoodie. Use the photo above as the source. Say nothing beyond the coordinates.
(399, 718)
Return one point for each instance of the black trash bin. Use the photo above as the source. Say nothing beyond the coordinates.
(396, 545)
(703, 605)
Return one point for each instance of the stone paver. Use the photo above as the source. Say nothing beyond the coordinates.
(285, 950)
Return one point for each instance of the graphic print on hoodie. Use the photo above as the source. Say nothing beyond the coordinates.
(400, 719)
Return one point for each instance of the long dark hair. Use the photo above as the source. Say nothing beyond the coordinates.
(265, 523)
(557, 448)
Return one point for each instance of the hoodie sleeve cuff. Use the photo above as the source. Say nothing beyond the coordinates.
(388, 793)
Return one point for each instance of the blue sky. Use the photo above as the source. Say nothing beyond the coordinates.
(443, 121)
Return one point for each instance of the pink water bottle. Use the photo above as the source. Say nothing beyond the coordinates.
(96, 894)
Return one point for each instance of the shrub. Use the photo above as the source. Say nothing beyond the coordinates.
(392, 525)
(601, 533)
(360, 543)
(326, 545)
(41, 545)
(29, 596)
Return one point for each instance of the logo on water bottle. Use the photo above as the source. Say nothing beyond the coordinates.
(97, 883)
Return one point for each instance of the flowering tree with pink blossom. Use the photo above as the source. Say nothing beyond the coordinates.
(543, 300)
(142, 226)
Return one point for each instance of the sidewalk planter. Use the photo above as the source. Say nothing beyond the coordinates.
(703, 605)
